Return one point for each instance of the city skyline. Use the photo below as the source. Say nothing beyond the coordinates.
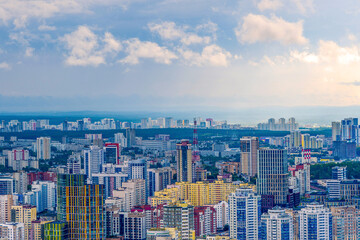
(166, 54)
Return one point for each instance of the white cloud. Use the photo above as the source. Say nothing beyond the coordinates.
(169, 31)
(329, 52)
(304, 56)
(137, 49)
(29, 52)
(46, 28)
(211, 55)
(86, 48)
(304, 5)
(269, 5)
(111, 44)
(20, 11)
(258, 28)
(5, 65)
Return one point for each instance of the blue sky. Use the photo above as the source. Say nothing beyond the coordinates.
(178, 54)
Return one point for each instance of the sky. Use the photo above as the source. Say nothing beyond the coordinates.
(168, 55)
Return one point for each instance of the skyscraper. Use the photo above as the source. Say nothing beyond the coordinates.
(93, 159)
(43, 149)
(81, 206)
(137, 169)
(248, 156)
(350, 130)
(273, 174)
(184, 162)
(276, 224)
(245, 213)
(130, 137)
(112, 153)
(315, 222)
(336, 131)
(180, 216)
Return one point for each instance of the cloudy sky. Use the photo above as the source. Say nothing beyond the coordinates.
(178, 54)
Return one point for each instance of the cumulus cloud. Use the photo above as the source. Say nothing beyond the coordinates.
(86, 48)
(258, 28)
(5, 65)
(29, 52)
(329, 52)
(211, 55)
(269, 5)
(137, 49)
(169, 31)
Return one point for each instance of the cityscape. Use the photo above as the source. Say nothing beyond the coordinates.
(146, 179)
(179, 120)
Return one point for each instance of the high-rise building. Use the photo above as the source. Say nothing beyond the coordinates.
(13, 231)
(185, 165)
(24, 214)
(74, 164)
(81, 206)
(245, 213)
(333, 188)
(21, 182)
(111, 181)
(305, 141)
(43, 149)
(112, 153)
(42, 195)
(130, 137)
(93, 159)
(139, 187)
(249, 147)
(6, 202)
(301, 175)
(18, 159)
(315, 222)
(346, 222)
(55, 230)
(121, 139)
(137, 169)
(273, 174)
(336, 131)
(222, 214)
(350, 130)
(37, 227)
(180, 216)
(295, 139)
(158, 179)
(135, 226)
(276, 224)
(6, 184)
(204, 220)
(339, 173)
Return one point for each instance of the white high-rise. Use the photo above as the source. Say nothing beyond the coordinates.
(93, 159)
(120, 138)
(276, 224)
(43, 148)
(245, 213)
(315, 222)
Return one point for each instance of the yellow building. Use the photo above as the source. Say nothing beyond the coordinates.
(24, 214)
(197, 194)
(167, 195)
(36, 229)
